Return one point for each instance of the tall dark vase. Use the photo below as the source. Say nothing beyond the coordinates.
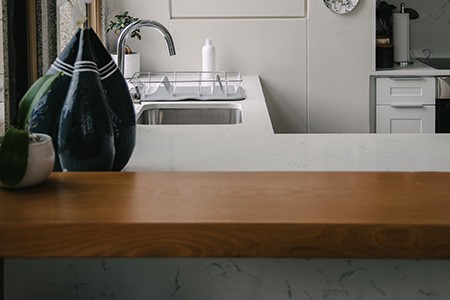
(85, 135)
(46, 116)
(119, 100)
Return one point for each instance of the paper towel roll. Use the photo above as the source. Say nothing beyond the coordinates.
(401, 37)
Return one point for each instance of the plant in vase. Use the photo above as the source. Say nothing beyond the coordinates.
(26, 159)
(132, 59)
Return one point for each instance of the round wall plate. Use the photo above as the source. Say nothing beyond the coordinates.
(341, 6)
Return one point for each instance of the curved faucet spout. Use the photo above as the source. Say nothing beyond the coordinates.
(134, 26)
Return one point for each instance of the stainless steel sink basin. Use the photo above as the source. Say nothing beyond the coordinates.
(190, 114)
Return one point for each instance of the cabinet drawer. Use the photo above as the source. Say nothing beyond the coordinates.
(405, 119)
(410, 90)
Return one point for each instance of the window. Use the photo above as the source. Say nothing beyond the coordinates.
(34, 37)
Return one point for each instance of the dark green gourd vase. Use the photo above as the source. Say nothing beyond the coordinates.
(85, 136)
(47, 116)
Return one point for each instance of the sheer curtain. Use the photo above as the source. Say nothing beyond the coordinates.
(2, 78)
(65, 28)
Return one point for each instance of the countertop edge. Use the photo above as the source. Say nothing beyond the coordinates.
(127, 227)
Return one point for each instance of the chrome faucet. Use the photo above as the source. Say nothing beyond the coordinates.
(134, 26)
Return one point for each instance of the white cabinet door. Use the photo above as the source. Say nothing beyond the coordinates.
(237, 8)
(409, 90)
(406, 105)
(406, 119)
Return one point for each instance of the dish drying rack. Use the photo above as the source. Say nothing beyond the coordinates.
(178, 86)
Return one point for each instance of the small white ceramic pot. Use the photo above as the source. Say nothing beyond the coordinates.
(41, 158)
(132, 64)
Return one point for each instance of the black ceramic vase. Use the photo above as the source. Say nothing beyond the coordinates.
(45, 117)
(47, 114)
(85, 135)
(119, 101)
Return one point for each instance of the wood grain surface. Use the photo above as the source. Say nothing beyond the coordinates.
(223, 214)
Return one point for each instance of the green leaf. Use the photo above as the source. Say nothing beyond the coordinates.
(14, 145)
(122, 21)
(13, 156)
(32, 96)
(28, 97)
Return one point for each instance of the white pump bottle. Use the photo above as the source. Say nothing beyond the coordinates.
(208, 59)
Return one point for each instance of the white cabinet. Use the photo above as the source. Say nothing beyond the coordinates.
(237, 8)
(405, 119)
(405, 105)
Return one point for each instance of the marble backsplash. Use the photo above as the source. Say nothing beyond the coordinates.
(430, 30)
(234, 279)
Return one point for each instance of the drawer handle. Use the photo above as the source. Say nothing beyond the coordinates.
(407, 78)
(407, 105)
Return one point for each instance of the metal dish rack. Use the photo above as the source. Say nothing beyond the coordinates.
(179, 86)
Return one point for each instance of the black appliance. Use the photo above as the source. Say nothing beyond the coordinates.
(442, 104)
(437, 63)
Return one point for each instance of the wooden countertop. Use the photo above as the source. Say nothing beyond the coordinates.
(270, 214)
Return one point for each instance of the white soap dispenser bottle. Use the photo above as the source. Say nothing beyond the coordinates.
(208, 59)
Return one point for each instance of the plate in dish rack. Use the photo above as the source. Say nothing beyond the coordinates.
(341, 6)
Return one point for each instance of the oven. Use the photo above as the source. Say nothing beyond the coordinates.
(442, 104)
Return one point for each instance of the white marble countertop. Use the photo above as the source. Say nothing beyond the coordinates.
(252, 146)
(418, 68)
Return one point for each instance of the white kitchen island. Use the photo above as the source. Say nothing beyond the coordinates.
(251, 146)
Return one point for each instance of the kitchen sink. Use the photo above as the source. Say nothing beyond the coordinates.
(190, 114)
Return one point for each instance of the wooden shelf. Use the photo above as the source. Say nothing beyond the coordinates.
(244, 214)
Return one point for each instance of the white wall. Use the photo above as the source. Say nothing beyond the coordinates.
(317, 64)
(254, 47)
(340, 62)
